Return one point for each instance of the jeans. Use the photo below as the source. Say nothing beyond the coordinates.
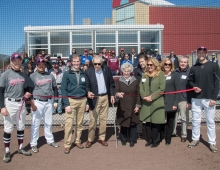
(197, 105)
(59, 108)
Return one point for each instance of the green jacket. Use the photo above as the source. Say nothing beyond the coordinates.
(154, 111)
(73, 87)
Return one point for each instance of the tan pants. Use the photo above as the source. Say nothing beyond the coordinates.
(101, 110)
(78, 107)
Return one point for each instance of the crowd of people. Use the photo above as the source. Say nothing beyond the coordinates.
(144, 94)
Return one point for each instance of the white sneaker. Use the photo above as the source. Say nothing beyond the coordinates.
(34, 149)
(193, 143)
(213, 148)
(55, 145)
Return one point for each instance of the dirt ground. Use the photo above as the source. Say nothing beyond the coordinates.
(175, 156)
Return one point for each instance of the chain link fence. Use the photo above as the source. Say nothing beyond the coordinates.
(60, 119)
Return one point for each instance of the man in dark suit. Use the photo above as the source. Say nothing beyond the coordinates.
(134, 58)
(174, 59)
(157, 55)
(99, 86)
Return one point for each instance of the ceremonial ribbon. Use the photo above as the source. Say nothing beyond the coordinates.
(75, 97)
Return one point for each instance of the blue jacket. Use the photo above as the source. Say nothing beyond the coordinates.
(83, 59)
(125, 61)
(158, 57)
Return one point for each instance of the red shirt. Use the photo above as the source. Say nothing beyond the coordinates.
(113, 63)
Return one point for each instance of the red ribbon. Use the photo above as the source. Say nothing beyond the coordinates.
(21, 108)
(178, 91)
(75, 97)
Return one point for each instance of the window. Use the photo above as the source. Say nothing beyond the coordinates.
(62, 49)
(125, 15)
(38, 38)
(127, 37)
(82, 37)
(105, 37)
(59, 37)
(149, 36)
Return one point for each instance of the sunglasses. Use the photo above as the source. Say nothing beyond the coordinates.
(150, 65)
(97, 64)
(165, 64)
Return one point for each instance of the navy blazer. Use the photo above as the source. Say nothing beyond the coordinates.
(92, 84)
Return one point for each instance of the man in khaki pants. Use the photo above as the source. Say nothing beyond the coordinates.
(100, 86)
(74, 86)
(183, 71)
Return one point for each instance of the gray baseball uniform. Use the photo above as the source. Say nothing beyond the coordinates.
(14, 83)
(43, 86)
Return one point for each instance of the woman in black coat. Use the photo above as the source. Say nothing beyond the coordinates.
(127, 94)
(171, 100)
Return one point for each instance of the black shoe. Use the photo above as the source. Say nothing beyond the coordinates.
(154, 145)
(167, 143)
(174, 135)
(183, 139)
(131, 144)
(123, 143)
(139, 135)
(148, 144)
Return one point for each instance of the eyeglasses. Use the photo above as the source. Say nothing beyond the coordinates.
(97, 64)
(165, 64)
(150, 65)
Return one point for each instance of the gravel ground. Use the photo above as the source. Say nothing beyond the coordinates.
(175, 156)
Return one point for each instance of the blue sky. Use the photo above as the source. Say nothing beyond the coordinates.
(16, 14)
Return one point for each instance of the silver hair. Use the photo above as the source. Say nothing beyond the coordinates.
(183, 57)
(126, 66)
(97, 57)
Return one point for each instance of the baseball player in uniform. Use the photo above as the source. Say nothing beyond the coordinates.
(14, 87)
(44, 85)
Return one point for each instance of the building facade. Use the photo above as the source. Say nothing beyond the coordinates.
(59, 40)
(185, 28)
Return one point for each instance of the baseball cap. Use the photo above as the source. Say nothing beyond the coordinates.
(156, 49)
(122, 49)
(56, 67)
(202, 48)
(16, 56)
(40, 60)
(85, 50)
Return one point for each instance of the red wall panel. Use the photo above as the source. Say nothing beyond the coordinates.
(185, 29)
